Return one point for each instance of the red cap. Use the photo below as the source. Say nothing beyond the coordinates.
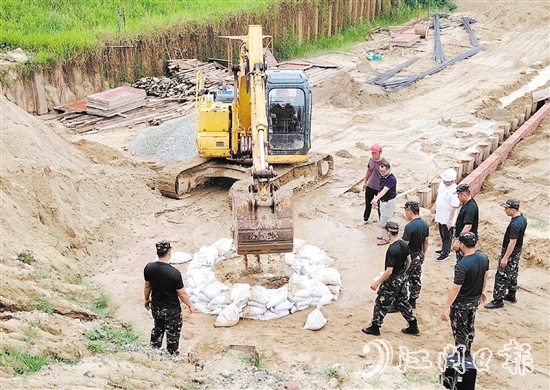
(376, 148)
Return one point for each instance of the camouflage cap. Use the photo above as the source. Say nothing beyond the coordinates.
(462, 187)
(392, 227)
(163, 247)
(413, 205)
(511, 204)
(468, 238)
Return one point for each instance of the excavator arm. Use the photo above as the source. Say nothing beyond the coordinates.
(262, 217)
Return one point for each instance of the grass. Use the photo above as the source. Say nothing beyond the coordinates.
(333, 372)
(111, 338)
(41, 303)
(376, 381)
(258, 360)
(23, 362)
(27, 257)
(61, 29)
(57, 30)
(409, 9)
(30, 334)
(101, 305)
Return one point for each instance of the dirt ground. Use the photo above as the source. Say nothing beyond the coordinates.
(91, 215)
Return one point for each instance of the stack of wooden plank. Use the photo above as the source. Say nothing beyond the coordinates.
(115, 101)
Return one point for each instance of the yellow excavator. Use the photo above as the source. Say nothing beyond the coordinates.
(264, 119)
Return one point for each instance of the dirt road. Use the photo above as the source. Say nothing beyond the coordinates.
(90, 213)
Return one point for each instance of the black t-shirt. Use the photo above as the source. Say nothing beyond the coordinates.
(415, 233)
(516, 230)
(164, 280)
(469, 274)
(468, 215)
(396, 256)
(389, 181)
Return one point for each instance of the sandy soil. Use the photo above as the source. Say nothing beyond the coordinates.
(91, 216)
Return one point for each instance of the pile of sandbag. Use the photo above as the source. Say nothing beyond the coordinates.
(314, 283)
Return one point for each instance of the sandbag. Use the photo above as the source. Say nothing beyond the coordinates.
(228, 317)
(315, 320)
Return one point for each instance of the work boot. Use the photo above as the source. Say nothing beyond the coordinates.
(372, 329)
(412, 302)
(510, 297)
(494, 304)
(412, 328)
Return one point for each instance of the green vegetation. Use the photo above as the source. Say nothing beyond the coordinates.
(27, 257)
(61, 29)
(257, 360)
(30, 334)
(100, 306)
(23, 362)
(332, 372)
(110, 338)
(376, 381)
(56, 30)
(408, 10)
(41, 303)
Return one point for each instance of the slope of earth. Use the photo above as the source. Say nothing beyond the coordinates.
(91, 217)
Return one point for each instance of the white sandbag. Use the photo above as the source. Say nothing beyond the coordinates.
(290, 258)
(322, 260)
(318, 289)
(250, 311)
(217, 302)
(180, 257)
(260, 294)
(225, 247)
(283, 306)
(202, 307)
(228, 317)
(315, 320)
(329, 276)
(204, 258)
(298, 291)
(334, 289)
(297, 278)
(239, 294)
(302, 304)
(270, 315)
(197, 278)
(298, 244)
(310, 251)
(277, 296)
(213, 289)
(322, 300)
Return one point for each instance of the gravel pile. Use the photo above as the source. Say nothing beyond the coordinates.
(171, 141)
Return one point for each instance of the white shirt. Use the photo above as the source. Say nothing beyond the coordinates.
(446, 200)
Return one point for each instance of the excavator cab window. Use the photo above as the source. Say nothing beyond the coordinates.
(286, 116)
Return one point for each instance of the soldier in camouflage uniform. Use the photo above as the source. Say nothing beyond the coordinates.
(467, 292)
(163, 290)
(392, 285)
(506, 278)
(416, 235)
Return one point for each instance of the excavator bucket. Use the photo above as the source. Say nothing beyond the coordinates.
(263, 229)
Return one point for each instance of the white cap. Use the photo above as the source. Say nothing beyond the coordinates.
(448, 175)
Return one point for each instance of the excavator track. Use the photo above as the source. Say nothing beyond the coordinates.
(178, 178)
